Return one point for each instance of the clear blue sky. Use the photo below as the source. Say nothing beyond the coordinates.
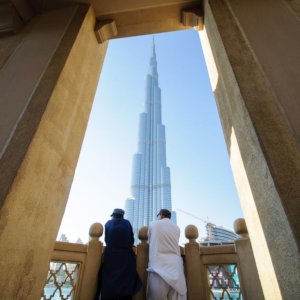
(201, 178)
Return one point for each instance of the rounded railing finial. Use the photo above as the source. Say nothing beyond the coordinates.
(191, 233)
(143, 234)
(96, 230)
(240, 227)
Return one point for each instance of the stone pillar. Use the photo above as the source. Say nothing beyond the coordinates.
(250, 284)
(93, 261)
(196, 277)
(252, 52)
(48, 80)
(142, 258)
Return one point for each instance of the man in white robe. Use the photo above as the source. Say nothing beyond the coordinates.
(166, 280)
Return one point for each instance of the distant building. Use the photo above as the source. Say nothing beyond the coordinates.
(129, 209)
(151, 182)
(217, 235)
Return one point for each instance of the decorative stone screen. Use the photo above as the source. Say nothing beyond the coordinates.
(224, 282)
(61, 281)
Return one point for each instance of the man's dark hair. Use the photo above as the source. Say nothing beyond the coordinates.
(164, 213)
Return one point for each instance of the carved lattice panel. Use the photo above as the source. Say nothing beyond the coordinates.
(61, 281)
(224, 282)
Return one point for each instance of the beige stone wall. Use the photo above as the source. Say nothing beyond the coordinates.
(263, 150)
(30, 65)
(273, 31)
(135, 17)
(33, 209)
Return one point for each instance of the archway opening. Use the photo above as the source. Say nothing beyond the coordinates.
(201, 178)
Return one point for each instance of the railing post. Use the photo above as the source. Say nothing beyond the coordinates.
(196, 278)
(93, 260)
(142, 257)
(250, 283)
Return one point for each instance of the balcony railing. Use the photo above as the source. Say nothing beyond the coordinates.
(215, 272)
(74, 268)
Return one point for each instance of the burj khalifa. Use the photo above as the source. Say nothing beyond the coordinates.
(150, 183)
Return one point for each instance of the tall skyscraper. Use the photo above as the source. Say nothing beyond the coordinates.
(151, 183)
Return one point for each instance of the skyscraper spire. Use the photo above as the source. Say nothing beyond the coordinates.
(153, 47)
(153, 62)
(151, 183)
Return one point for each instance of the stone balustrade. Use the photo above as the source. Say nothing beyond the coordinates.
(74, 268)
(210, 271)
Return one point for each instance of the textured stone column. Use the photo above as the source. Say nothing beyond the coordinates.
(89, 282)
(196, 278)
(142, 258)
(48, 79)
(251, 287)
(251, 48)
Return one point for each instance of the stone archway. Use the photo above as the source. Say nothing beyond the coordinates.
(255, 89)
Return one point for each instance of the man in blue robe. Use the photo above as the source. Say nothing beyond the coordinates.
(118, 278)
